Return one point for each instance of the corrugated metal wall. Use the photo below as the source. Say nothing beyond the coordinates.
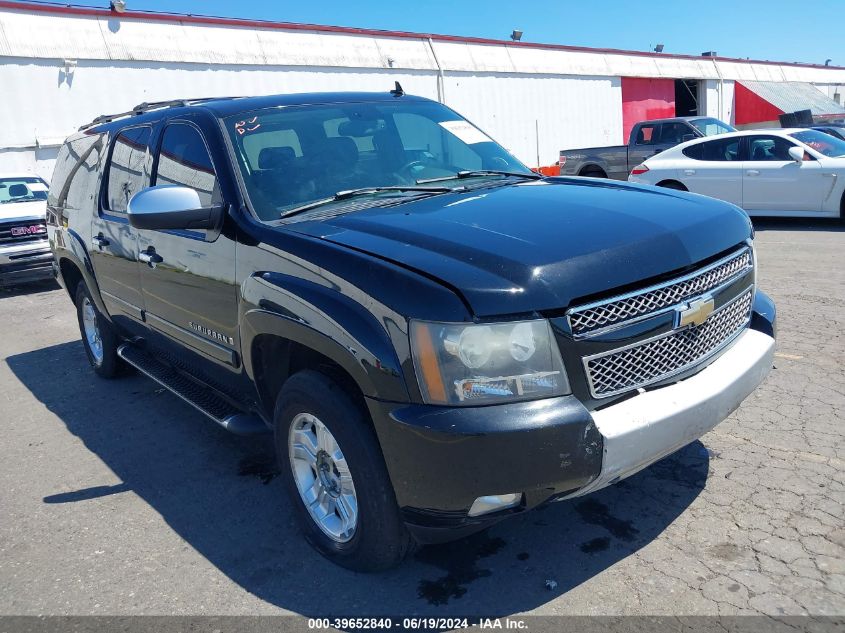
(534, 100)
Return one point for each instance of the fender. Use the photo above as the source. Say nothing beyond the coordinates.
(365, 345)
(73, 249)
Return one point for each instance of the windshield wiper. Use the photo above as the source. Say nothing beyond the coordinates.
(363, 191)
(481, 172)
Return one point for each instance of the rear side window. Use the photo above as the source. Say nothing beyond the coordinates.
(717, 150)
(184, 160)
(646, 135)
(75, 176)
(674, 133)
(127, 173)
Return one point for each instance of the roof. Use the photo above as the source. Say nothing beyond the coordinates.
(160, 17)
(696, 117)
(226, 106)
(792, 96)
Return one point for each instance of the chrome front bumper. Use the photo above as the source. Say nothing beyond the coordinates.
(24, 262)
(642, 430)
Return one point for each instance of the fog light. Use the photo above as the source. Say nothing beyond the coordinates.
(491, 503)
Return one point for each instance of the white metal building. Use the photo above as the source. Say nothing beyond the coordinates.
(61, 66)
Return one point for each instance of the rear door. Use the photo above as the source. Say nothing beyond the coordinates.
(114, 243)
(189, 286)
(714, 168)
(773, 181)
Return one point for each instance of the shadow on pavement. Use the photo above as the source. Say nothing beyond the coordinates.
(219, 493)
(32, 288)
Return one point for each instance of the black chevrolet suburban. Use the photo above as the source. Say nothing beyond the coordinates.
(438, 337)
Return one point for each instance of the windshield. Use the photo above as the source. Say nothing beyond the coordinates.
(711, 127)
(293, 156)
(821, 142)
(22, 189)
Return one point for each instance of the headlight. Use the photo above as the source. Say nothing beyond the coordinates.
(463, 364)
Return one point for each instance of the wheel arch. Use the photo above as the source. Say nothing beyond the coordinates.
(274, 357)
(75, 266)
(275, 347)
(593, 167)
(842, 207)
(672, 183)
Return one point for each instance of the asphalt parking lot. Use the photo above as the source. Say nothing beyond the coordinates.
(117, 498)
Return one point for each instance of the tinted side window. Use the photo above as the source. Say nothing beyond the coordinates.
(646, 135)
(717, 150)
(674, 133)
(183, 160)
(126, 175)
(769, 148)
(694, 151)
(75, 174)
(82, 188)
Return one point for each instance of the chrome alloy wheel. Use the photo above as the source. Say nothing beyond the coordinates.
(92, 331)
(322, 477)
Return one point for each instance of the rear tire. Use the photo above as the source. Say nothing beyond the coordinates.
(98, 335)
(672, 184)
(331, 462)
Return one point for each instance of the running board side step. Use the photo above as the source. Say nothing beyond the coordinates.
(202, 399)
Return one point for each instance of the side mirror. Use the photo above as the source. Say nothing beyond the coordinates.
(796, 153)
(171, 207)
(687, 137)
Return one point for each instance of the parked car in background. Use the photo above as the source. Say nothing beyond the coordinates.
(24, 249)
(647, 139)
(834, 129)
(439, 339)
(790, 172)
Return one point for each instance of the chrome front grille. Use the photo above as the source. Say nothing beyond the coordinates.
(650, 361)
(597, 316)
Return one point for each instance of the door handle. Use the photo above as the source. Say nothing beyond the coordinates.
(99, 241)
(752, 172)
(689, 172)
(150, 257)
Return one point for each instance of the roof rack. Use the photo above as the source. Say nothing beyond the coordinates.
(148, 106)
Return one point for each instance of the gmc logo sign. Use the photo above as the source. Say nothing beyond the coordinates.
(35, 229)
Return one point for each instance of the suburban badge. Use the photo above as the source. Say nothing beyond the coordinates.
(211, 333)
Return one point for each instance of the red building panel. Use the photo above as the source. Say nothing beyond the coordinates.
(750, 107)
(644, 99)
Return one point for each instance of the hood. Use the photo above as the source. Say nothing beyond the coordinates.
(36, 209)
(541, 245)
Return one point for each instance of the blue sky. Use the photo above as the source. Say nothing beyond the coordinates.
(778, 30)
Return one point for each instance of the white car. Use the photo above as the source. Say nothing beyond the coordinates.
(24, 251)
(789, 172)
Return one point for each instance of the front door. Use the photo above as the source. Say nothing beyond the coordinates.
(190, 295)
(645, 144)
(114, 243)
(773, 181)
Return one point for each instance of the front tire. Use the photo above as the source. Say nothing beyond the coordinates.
(334, 473)
(98, 336)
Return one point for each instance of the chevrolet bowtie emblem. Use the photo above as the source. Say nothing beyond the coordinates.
(695, 313)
